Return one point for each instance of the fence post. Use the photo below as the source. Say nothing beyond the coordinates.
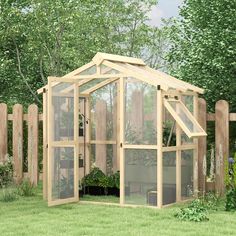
(202, 147)
(3, 132)
(100, 117)
(33, 144)
(222, 142)
(18, 142)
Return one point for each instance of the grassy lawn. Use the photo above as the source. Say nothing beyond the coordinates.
(31, 216)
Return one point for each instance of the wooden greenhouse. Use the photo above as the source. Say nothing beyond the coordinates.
(117, 113)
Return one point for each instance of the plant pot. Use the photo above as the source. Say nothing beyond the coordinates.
(94, 190)
(81, 193)
(113, 191)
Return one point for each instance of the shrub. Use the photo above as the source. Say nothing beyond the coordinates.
(116, 179)
(6, 172)
(196, 211)
(230, 204)
(230, 182)
(8, 195)
(26, 189)
(211, 201)
(94, 177)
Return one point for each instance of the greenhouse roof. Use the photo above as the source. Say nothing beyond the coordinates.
(111, 67)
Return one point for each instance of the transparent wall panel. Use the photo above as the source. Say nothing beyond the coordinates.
(188, 102)
(90, 71)
(62, 111)
(104, 113)
(187, 173)
(108, 70)
(169, 177)
(90, 84)
(140, 177)
(181, 112)
(104, 157)
(169, 129)
(62, 172)
(140, 112)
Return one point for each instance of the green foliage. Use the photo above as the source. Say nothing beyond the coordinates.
(6, 172)
(204, 49)
(230, 182)
(39, 38)
(211, 201)
(26, 189)
(97, 178)
(196, 211)
(230, 204)
(8, 195)
(116, 179)
(94, 178)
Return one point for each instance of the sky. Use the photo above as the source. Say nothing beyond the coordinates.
(164, 9)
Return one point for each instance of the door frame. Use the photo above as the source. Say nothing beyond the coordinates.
(52, 144)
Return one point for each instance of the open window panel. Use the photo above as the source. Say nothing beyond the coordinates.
(63, 141)
(184, 118)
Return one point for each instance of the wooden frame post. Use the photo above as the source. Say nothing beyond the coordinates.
(88, 134)
(195, 151)
(122, 162)
(178, 163)
(76, 139)
(159, 148)
(45, 143)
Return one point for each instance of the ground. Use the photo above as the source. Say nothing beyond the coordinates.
(31, 216)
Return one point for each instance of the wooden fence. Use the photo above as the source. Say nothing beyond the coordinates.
(221, 117)
(17, 117)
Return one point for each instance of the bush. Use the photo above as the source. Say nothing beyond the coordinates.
(97, 178)
(230, 182)
(26, 189)
(196, 211)
(8, 195)
(211, 201)
(6, 172)
(94, 178)
(230, 204)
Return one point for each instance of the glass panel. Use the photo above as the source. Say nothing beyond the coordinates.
(90, 71)
(140, 112)
(188, 102)
(104, 156)
(62, 111)
(141, 177)
(169, 177)
(187, 173)
(62, 172)
(108, 70)
(104, 113)
(169, 129)
(184, 118)
(90, 84)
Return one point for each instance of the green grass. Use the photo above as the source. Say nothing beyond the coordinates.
(111, 199)
(31, 216)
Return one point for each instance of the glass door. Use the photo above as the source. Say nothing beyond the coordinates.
(63, 141)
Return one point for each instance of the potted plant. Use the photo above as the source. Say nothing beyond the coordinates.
(92, 182)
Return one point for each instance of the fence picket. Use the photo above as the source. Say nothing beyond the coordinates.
(33, 144)
(221, 141)
(3, 132)
(202, 145)
(18, 142)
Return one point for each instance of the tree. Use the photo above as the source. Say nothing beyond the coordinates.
(39, 38)
(204, 48)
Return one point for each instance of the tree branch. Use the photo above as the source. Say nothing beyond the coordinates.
(22, 75)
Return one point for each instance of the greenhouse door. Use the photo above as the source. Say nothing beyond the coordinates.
(63, 141)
